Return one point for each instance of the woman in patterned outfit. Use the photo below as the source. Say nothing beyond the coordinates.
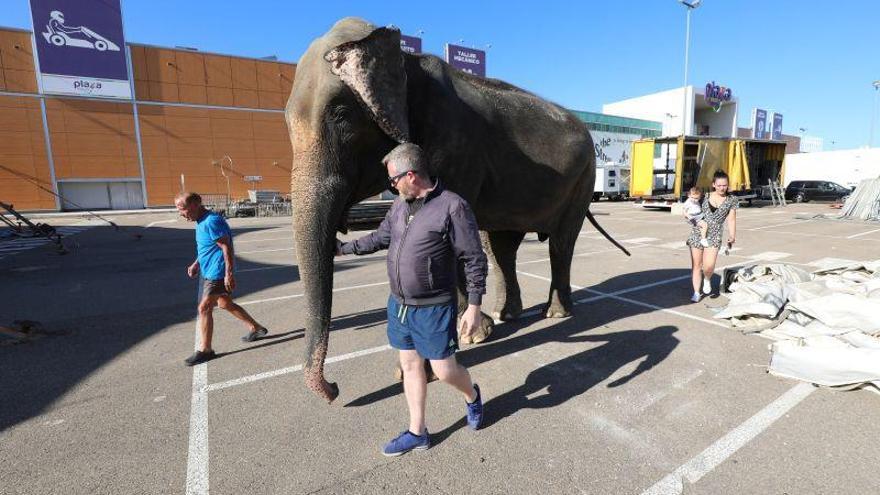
(717, 207)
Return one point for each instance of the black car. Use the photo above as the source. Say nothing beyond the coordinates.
(821, 190)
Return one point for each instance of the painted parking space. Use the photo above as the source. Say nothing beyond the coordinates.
(638, 387)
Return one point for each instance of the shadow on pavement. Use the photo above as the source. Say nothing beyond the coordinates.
(575, 374)
(107, 296)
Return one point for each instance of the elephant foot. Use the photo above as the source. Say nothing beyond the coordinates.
(429, 372)
(556, 311)
(483, 331)
(509, 311)
(317, 384)
(559, 305)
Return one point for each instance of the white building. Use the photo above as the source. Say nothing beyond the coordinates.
(812, 144)
(667, 106)
(845, 167)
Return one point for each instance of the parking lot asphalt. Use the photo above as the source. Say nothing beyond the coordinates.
(640, 391)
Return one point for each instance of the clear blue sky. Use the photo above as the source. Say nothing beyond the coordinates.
(811, 60)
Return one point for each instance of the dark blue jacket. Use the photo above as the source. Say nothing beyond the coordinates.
(422, 255)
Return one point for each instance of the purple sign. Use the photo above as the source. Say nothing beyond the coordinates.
(81, 47)
(469, 60)
(716, 95)
(776, 127)
(410, 44)
(759, 123)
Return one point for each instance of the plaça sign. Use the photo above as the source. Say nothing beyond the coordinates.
(410, 44)
(469, 60)
(776, 126)
(81, 47)
(613, 148)
(716, 95)
(759, 123)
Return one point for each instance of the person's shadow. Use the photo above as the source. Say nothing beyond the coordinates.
(573, 375)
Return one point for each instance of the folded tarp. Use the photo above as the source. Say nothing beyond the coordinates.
(826, 323)
(828, 361)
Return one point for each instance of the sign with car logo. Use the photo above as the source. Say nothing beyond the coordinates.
(81, 47)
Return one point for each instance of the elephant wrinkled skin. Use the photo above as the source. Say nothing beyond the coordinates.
(523, 163)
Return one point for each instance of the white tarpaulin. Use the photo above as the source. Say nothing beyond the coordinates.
(826, 323)
(864, 202)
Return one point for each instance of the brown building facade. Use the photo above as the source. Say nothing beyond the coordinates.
(199, 121)
(792, 143)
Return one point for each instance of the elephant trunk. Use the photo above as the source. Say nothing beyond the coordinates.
(318, 203)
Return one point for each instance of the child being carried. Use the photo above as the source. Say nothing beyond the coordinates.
(693, 212)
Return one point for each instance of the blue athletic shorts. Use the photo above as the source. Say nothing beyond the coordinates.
(430, 330)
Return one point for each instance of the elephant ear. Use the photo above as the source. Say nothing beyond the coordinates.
(373, 68)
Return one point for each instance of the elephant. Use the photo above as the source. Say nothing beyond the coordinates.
(522, 163)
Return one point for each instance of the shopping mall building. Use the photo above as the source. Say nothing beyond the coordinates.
(197, 121)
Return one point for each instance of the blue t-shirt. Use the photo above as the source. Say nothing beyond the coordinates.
(209, 228)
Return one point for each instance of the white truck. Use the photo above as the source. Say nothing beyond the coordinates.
(612, 182)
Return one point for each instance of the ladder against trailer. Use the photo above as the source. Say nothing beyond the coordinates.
(777, 193)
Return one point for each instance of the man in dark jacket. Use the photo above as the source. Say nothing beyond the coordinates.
(427, 231)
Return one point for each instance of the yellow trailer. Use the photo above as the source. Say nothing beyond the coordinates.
(750, 163)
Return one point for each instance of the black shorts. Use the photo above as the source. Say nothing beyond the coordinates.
(214, 288)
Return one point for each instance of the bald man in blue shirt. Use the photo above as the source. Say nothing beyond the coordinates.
(215, 262)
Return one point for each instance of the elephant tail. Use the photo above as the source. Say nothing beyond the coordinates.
(602, 231)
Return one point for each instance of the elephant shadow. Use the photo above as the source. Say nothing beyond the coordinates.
(575, 374)
(572, 376)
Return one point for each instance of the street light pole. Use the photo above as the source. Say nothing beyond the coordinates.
(876, 85)
(687, 41)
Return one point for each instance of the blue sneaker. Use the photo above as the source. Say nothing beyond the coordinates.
(475, 410)
(405, 442)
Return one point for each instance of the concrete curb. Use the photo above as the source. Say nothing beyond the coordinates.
(103, 213)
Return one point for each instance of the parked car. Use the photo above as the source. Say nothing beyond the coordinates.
(820, 190)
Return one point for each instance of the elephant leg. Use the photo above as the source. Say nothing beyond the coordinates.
(429, 372)
(562, 244)
(484, 329)
(502, 247)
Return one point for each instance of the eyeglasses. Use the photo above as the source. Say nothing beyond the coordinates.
(393, 180)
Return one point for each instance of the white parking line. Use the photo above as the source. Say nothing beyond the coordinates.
(724, 447)
(14, 245)
(197, 456)
(264, 251)
(237, 241)
(673, 245)
(769, 256)
(602, 295)
(578, 255)
(293, 265)
(780, 224)
(294, 296)
(160, 221)
(639, 240)
(292, 369)
(245, 270)
(863, 233)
